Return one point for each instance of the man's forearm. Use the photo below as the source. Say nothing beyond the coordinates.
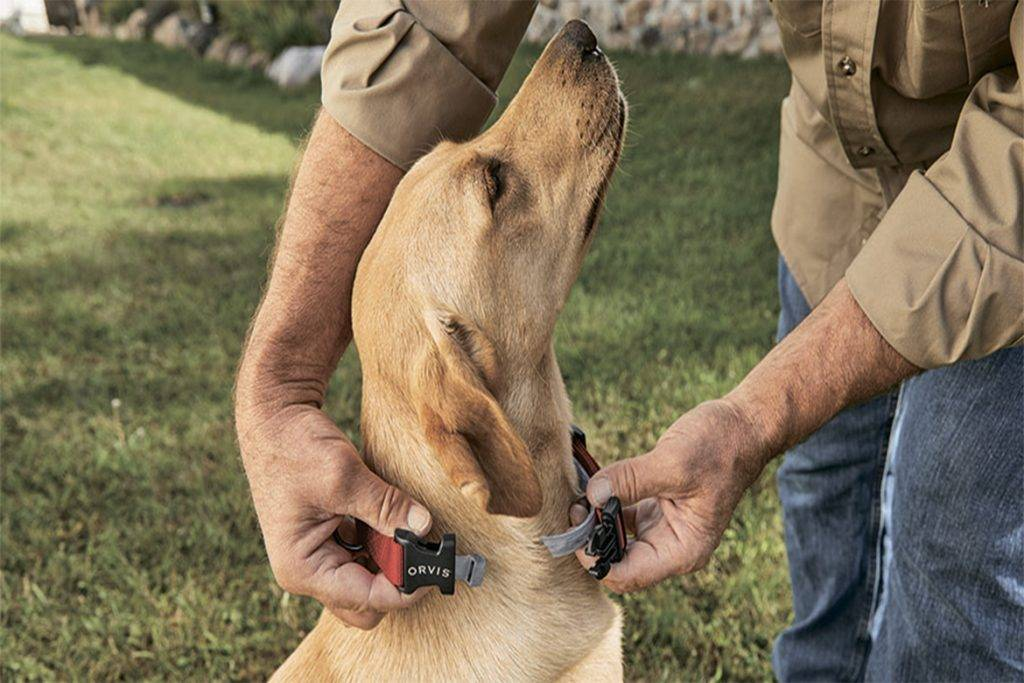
(338, 196)
(833, 359)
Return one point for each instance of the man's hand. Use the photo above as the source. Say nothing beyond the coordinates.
(304, 474)
(680, 496)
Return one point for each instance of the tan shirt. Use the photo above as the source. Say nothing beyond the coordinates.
(905, 175)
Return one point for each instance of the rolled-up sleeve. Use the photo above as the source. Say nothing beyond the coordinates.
(400, 75)
(942, 277)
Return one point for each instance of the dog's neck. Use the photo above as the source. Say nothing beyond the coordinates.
(535, 402)
(529, 602)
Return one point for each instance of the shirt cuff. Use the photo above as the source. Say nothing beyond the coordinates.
(934, 288)
(392, 84)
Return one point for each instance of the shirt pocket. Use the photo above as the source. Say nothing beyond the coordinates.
(800, 16)
(932, 60)
(986, 31)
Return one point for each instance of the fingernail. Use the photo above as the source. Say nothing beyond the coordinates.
(418, 519)
(577, 513)
(600, 490)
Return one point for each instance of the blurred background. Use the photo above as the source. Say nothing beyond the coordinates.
(145, 150)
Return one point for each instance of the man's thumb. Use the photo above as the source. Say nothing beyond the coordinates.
(385, 507)
(629, 480)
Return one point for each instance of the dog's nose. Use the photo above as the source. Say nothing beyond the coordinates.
(578, 34)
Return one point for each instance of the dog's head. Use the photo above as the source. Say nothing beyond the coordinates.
(460, 288)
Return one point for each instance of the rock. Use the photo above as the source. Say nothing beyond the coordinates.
(177, 32)
(62, 13)
(672, 22)
(219, 48)
(605, 20)
(134, 27)
(199, 36)
(691, 11)
(258, 60)
(677, 43)
(719, 13)
(90, 21)
(650, 37)
(725, 27)
(544, 25)
(100, 30)
(635, 13)
(24, 18)
(171, 32)
(572, 9)
(238, 55)
(735, 41)
(769, 42)
(157, 11)
(700, 40)
(760, 9)
(296, 66)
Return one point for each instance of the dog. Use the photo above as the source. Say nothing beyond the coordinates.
(454, 308)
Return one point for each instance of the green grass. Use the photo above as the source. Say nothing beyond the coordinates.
(139, 194)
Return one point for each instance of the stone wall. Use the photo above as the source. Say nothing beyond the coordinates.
(714, 27)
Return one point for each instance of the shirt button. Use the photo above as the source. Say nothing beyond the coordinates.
(847, 66)
(865, 151)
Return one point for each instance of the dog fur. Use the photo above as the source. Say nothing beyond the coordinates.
(454, 309)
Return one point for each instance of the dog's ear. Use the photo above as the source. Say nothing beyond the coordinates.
(456, 380)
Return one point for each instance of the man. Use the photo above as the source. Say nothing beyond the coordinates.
(899, 219)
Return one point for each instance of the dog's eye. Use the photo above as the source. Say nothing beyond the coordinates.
(494, 181)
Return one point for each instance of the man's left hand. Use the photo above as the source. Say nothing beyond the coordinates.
(679, 497)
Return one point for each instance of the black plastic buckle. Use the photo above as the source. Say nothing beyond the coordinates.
(426, 563)
(577, 434)
(608, 540)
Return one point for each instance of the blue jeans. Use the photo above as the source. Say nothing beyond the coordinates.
(904, 523)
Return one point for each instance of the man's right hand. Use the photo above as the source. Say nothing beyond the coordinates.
(304, 474)
(305, 477)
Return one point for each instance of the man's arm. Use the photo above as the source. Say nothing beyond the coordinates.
(684, 491)
(940, 280)
(304, 474)
(942, 276)
(397, 77)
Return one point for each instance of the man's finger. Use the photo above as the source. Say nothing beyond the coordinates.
(577, 513)
(629, 516)
(586, 560)
(655, 556)
(381, 505)
(630, 480)
(640, 567)
(361, 620)
(348, 588)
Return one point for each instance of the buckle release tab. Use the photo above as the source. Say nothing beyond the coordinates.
(436, 564)
(608, 540)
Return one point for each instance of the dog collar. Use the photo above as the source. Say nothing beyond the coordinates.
(603, 532)
(410, 562)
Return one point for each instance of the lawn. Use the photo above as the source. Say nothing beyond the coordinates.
(140, 189)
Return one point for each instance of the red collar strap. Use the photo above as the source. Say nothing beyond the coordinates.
(603, 532)
(410, 562)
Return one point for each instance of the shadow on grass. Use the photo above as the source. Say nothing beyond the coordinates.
(173, 283)
(243, 95)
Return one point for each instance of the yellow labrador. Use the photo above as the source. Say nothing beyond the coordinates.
(454, 309)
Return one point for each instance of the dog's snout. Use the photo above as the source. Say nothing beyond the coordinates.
(579, 35)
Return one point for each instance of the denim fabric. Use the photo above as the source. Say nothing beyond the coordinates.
(904, 524)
